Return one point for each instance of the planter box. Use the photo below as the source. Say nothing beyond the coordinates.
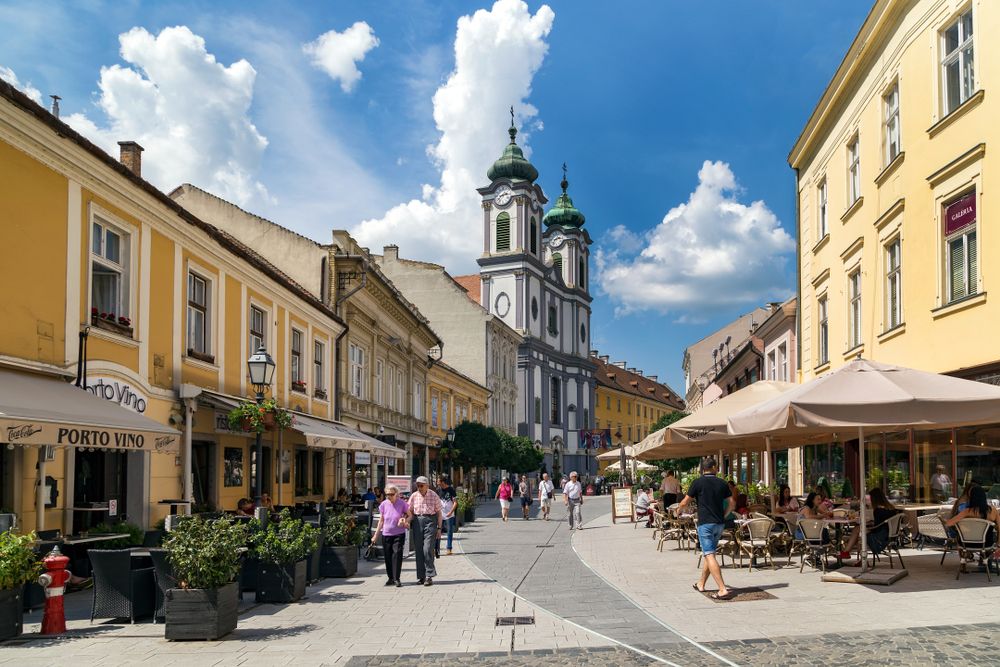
(111, 325)
(11, 613)
(203, 614)
(281, 583)
(313, 560)
(339, 561)
(469, 515)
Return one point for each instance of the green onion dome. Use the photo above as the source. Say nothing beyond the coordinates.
(563, 213)
(512, 164)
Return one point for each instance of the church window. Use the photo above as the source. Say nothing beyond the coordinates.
(534, 308)
(557, 262)
(503, 232)
(580, 279)
(538, 411)
(583, 333)
(555, 401)
(534, 236)
(553, 321)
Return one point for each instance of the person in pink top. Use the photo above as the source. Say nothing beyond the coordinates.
(392, 524)
(425, 517)
(505, 492)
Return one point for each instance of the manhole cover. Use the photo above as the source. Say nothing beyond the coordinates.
(515, 620)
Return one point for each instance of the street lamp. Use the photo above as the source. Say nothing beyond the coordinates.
(260, 366)
(449, 438)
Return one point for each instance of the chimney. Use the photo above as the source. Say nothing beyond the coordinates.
(621, 364)
(55, 105)
(654, 378)
(131, 156)
(595, 353)
(390, 253)
(634, 370)
(605, 358)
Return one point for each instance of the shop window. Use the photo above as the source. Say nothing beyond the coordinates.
(317, 473)
(298, 373)
(110, 271)
(961, 253)
(198, 318)
(301, 472)
(893, 285)
(933, 474)
(258, 329)
(958, 75)
(978, 458)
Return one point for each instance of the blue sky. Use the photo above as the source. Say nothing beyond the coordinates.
(683, 110)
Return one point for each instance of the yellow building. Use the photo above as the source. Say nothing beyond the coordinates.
(629, 402)
(452, 398)
(172, 307)
(895, 248)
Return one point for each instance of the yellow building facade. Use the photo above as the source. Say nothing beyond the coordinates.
(895, 228)
(452, 398)
(171, 308)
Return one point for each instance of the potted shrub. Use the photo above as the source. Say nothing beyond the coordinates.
(134, 539)
(18, 566)
(342, 536)
(282, 547)
(467, 506)
(253, 418)
(205, 559)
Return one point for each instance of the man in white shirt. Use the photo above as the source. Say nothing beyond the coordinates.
(573, 497)
(545, 492)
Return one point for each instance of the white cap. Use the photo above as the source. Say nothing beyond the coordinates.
(422, 480)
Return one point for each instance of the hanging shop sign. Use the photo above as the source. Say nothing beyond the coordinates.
(27, 432)
(362, 458)
(117, 391)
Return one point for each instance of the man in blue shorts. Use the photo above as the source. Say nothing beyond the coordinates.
(715, 501)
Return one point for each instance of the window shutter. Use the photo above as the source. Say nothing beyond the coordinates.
(503, 232)
(956, 255)
(973, 263)
(557, 262)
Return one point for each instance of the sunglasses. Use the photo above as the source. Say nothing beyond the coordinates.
(391, 494)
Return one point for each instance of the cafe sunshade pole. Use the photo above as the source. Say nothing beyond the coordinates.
(861, 485)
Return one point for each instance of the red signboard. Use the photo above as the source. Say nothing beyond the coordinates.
(960, 213)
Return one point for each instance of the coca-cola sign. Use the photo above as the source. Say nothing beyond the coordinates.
(959, 214)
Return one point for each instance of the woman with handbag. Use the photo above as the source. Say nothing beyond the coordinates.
(392, 524)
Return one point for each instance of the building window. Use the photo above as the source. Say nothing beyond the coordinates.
(258, 329)
(772, 366)
(586, 418)
(961, 253)
(319, 362)
(434, 408)
(823, 334)
(379, 372)
(538, 411)
(317, 472)
(356, 357)
(503, 232)
(534, 236)
(534, 309)
(555, 400)
(557, 262)
(109, 271)
(298, 372)
(197, 314)
(418, 400)
(444, 413)
(958, 77)
(854, 291)
(822, 196)
(893, 286)
(553, 321)
(890, 103)
(580, 279)
(301, 472)
(854, 170)
(783, 362)
(400, 396)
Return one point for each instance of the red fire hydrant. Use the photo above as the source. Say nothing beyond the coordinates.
(54, 582)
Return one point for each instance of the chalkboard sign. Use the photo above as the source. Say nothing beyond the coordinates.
(621, 504)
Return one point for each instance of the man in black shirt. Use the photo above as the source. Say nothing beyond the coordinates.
(448, 506)
(715, 501)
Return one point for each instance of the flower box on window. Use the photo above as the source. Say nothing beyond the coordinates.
(320, 393)
(119, 324)
(299, 385)
(201, 356)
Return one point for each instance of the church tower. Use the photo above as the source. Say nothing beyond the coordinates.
(535, 277)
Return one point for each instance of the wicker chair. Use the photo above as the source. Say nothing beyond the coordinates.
(812, 542)
(895, 536)
(165, 579)
(120, 591)
(974, 542)
(754, 538)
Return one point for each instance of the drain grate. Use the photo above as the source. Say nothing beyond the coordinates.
(515, 620)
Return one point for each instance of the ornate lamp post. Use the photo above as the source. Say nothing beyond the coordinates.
(260, 366)
(449, 453)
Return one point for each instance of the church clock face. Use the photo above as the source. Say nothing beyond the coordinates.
(502, 304)
(503, 196)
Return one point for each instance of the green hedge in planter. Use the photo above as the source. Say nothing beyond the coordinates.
(341, 529)
(205, 553)
(283, 540)
(18, 566)
(134, 539)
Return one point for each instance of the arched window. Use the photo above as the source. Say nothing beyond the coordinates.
(534, 236)
(580, 279)
(503, 232)
(557, 262)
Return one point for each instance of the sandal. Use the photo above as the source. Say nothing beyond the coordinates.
(728, 596)
(695, 586)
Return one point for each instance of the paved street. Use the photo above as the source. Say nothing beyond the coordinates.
(604, 597)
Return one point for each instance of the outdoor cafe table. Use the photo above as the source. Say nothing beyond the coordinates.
(913, 510)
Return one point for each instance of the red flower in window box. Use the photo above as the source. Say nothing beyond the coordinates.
(94, 312)
(124, 321)
(298, 385)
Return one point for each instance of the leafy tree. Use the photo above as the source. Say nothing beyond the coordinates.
(477, 446)
(682, 464)
(518, 454)
(667, 420)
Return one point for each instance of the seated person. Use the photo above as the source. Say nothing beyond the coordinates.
(786, 501)
(368, 495)
(644, 505)
(979, 508)
(244, 507)
(878, 537)
(379, 495)
(813, 510)
(266, 502)
(824, 500)
(962, 501)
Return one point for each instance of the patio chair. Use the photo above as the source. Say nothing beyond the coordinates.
(931, 530)
(672, 528)
(812, 542)
(841, 513)
(895, 537)
(725, 546)
(164, 574)
(974, 541)
(659, 519)
(120, 591)
(755, 538)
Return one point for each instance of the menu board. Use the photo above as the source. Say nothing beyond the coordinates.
(621, 504)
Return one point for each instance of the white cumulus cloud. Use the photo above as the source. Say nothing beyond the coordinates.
(338, 53)
(497, 53)
(188, 111)
(712, 251)
(8, 75)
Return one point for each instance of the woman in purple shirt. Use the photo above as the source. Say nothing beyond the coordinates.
(392, 524)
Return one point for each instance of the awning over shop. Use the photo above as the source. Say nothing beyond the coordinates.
(42, 410)
(334, 435)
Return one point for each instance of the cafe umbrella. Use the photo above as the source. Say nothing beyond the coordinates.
(869, 397)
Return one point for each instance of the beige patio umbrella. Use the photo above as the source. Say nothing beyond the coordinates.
(631, 463)
(870, 397)
(615, 454)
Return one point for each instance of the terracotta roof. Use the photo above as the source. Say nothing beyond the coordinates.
(620, 379)
(471, 284)
(224, 239)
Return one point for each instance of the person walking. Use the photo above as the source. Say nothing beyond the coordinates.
(448, 505)
(392, 524)
(715, 501)
(425, 519)
(504, 492)
(525, 490)
(573, 498)
(545, 492)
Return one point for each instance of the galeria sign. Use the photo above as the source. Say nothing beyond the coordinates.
(117, 391)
